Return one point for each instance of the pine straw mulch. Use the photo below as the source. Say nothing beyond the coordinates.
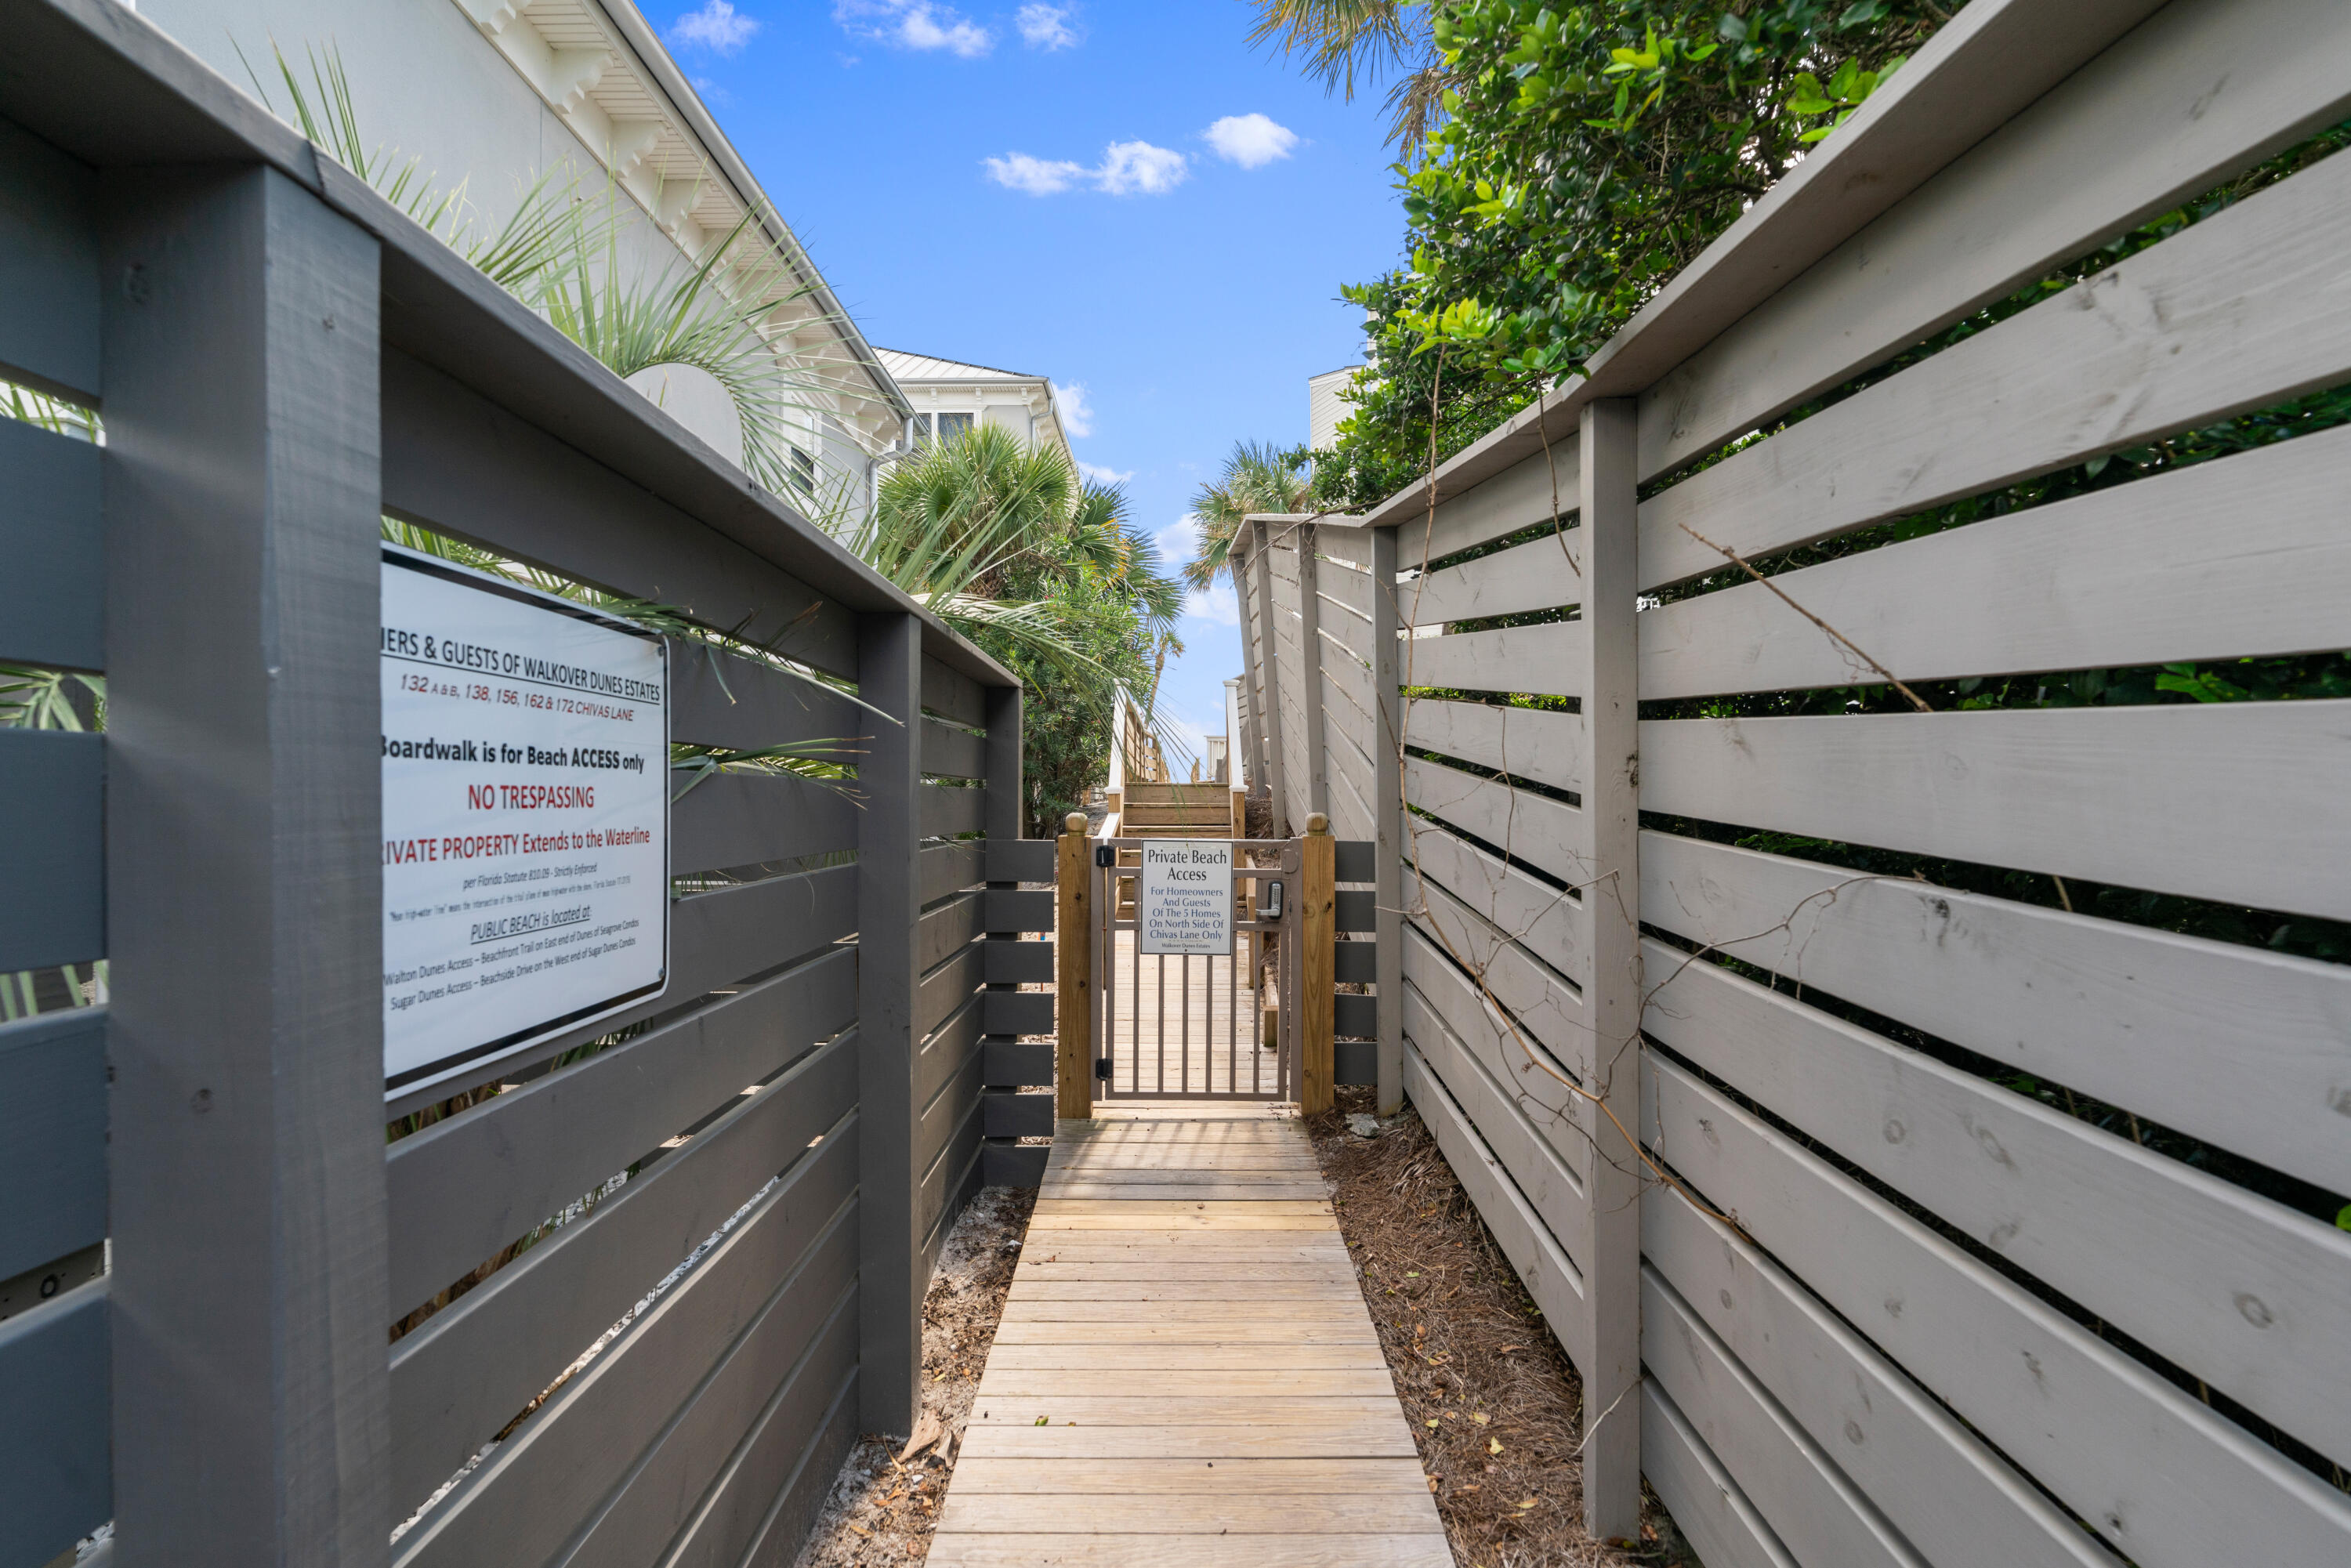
(883, 1510)
(1493, 1402)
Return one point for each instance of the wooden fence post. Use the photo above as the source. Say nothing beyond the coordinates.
(1609, 827)
(250, 1294)
(1074, 942)
(1387, 806)
(1269, 665)
(1249, 753)
(889, 1131)
(1310, 678)
(1318, 980)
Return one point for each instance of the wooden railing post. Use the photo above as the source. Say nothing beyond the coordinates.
(1309, 675)
(1609, 872)
(1318, 980)
(1073, 939)
(1387, 809)
(1269, 665)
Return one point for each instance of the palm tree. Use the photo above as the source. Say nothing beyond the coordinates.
(1258, 478)
(1344, 38)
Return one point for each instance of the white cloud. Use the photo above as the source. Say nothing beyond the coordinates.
(1047, 28)
(717, 25)
(1180, 540)
(1037, 177)
(915, 25)
(1131, 166)
(1250, 140)
(1217, 606)
(1103, 476)
(1077, 413)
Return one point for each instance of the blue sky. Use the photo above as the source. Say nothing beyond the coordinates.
(1038, 187)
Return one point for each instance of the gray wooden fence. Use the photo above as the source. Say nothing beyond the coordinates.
(279, 360)
(2000, 1223)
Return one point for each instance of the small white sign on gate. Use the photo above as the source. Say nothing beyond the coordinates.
(1186, 901)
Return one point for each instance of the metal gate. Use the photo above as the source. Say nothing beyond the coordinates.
(1222, 1027)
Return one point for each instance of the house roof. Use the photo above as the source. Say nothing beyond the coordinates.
(905, 367)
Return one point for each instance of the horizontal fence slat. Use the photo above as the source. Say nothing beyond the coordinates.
(1542, 1002)
(50, 266)
(53, 536)
(2215, 321)
(1344, 583)
(2237, 1046)
(471, 1367)
(2131, 576)
(779, 1371)
(1013, 963)
(2168, 1480)
(1020, 860)
(1355, 1017)
(1345, 671)
(1006, 1165)
(1355, 861)
(1346, 637)
(530, 1495)
(1951, 1497)
(952, 694)
(1814, 1510)
(56, 1478)
(1019, 910)
(1018, 1013)
(1355, 911)
(717, 699)
(948, 928)
(1543, 746)
(1355, 1062)
(1542, 574)
(1016, 1064)
(2092, 793)
(1540, 917)
(2248, 1295)
(1524, 1070)
(949, 868)
(953, 753)
(1355, 961)
(1518, 497)
(732, 819)
(1017, 1115)
(52, 1137)
(52, 848)
(2199, 91)
(1532, 829)
(946, 987)
(1707, 1505)
(463, 1188)
(1551, 1277)
(1545, 660)
(945, 812)
(953, 1176)
(457, 463)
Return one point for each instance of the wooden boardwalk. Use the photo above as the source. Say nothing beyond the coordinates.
(1185, 1375)
(1182, 1026)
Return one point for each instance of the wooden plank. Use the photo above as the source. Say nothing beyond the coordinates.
(473, 1365)
(1254, 1439)
(1343, 578)
(1020, 860)
(1016, 1063)
(1209, 1359)
(1073, 1049)
(1540, 744)
(954, 753)
(2077, 792)
(1531, 829)
(1704, 1502)
(1370, 1417)
(1519, 497)
(953, 694)
(464, 1187)
(1542, 659)
(1141, 1477)
(1951, 1497)
(2197, 93)
(1025, 910)
(1234, 1551)
(946, 989)
(1105, 1311)
(52, 1137)
(1537, 998)
(1155, 1211)
(1150, 1513)
(1542, 574)
(1036, 1289)
(1169, 1268)
(53, 535)
(728, 819)
(56, 1480)
(2168, 1480)
(53, 851)
(50, 276)
(536, 1488)
(2136, 575)
(2246, 1295)
(2213, 321)
(717, 699)
(1015, 1115)
(1544, 920)
(1018, 962)
(1019, 1012)
(1229, 1190)
(1549, 1276)
(944, 811)
(2234, 1045)
(1815, 1511)
(948, 868)
(945, 929)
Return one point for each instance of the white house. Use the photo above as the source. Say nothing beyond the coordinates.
(949, 397)
(496, 94)
(1325, 408)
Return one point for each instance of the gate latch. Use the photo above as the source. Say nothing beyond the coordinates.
(1101, 1067)
(1270, 908)
(1105, 856)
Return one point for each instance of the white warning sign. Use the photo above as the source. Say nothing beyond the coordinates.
(1186, 901)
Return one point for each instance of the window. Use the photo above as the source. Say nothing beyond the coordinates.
(803, 472)
(952, 425)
